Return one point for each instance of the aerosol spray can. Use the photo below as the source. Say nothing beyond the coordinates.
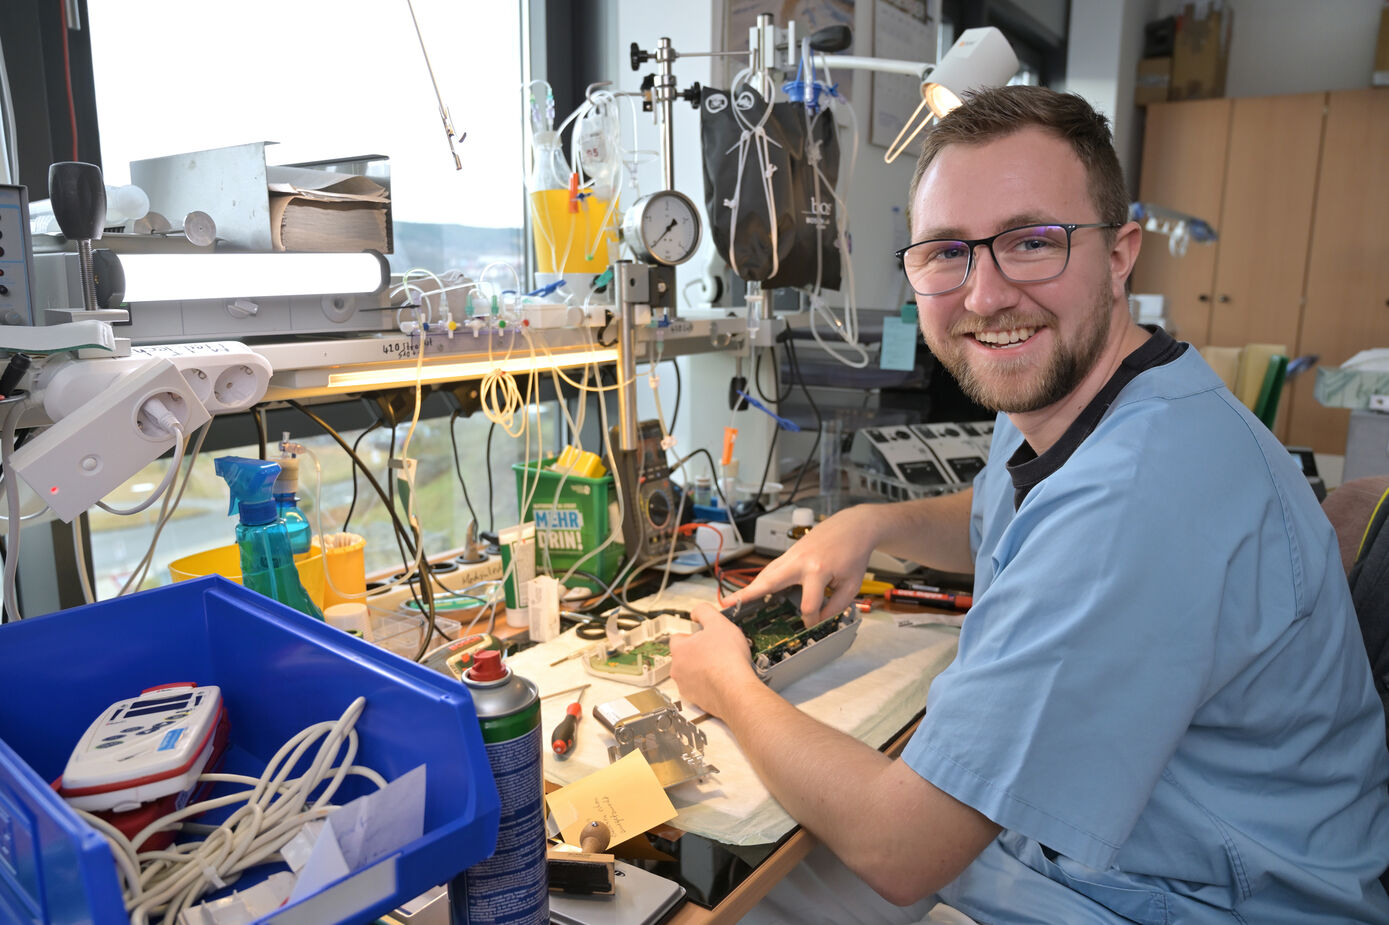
(512, 886)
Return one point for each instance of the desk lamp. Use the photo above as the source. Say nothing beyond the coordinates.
(979, 58)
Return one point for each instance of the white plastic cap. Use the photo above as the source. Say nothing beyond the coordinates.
(803, 517)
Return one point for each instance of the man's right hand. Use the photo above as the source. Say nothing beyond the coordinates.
(832, 557)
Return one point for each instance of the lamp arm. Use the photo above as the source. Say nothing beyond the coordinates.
(915, 69)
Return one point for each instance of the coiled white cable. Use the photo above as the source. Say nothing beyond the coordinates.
(274, 809)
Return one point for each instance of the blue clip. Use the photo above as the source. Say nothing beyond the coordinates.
(782, 422)
(546, 290)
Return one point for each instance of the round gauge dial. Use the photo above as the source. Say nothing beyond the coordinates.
(663, 228)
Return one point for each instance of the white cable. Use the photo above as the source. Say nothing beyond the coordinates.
(274, 808)
(79, 554)
(7, 430)
(752, 136)
(137, 575)
(163, 486)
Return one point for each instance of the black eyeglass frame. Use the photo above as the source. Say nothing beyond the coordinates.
(1070, 227)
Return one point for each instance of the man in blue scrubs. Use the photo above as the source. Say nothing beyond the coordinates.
(1161, 709)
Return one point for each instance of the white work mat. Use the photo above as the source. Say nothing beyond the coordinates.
(870, 692)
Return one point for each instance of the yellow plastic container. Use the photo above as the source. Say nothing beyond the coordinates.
(346, 558)
(226, 561)
(571, 242)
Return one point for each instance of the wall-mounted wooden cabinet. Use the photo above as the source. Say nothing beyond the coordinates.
(1296, 187)
(1347, 306)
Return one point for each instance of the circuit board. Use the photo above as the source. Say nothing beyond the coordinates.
(782, 644)
(635, 661)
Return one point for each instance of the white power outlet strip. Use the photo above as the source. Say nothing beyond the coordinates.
(92, 450)
(225, 376)
(465, 575)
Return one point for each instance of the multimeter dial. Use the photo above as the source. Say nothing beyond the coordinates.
(663, 228)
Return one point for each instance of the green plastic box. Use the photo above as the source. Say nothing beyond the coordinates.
(573, 516)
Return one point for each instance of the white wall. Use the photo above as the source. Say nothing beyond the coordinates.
(1276, 46)
(1296, 46)
(1103, 50)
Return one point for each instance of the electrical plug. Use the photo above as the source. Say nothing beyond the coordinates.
(157, 419)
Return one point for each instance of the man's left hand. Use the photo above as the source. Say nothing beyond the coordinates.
(709, 666)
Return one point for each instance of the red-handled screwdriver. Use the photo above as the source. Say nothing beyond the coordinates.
(562, 739)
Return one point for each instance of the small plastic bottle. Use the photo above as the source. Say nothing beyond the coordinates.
(287, 503)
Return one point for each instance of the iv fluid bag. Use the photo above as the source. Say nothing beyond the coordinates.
(803, 209)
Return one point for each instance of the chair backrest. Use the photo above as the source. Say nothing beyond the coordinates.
(1359, 511)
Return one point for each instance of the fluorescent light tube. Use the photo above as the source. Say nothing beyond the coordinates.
(467, 369)
(187, 277)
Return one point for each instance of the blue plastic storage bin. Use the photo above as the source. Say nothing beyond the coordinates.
(279, 671)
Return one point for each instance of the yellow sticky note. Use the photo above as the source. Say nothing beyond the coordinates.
(625, 795)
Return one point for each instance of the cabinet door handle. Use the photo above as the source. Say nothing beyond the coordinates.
(1203, 297)
(1223, 299)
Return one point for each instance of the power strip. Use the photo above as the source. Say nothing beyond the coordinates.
(225, 376)
(393, 601)
(92, 450)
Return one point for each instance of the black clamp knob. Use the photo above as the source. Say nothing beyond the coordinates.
(648, 83)
(693, 94)
(638, 56)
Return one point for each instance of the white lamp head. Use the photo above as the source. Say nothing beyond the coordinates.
(979, 58)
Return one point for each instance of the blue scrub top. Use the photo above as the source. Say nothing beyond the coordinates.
(1161, 692)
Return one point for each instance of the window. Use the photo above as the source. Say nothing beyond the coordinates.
(200, 522)
(330, 81)
(327, 82)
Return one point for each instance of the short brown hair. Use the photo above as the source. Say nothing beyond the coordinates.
(987, 115)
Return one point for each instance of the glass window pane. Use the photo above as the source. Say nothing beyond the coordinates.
(200, 522)
(331, 81)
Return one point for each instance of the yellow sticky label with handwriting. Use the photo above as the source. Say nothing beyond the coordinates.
(626, 796)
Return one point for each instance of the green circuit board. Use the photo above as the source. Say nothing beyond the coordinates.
(635, 661)
(776, 628)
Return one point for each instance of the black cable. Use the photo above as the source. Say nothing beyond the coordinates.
(261, 437)
(491, 496)
(713, 469)
(458, 467)
(767, 466)
(819, 425)
(356, 443)
(609, 592)
(679, 387)
(427, 605)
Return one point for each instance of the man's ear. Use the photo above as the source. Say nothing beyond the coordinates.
(1124, 254)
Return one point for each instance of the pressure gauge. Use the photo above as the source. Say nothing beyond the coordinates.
(662, 228)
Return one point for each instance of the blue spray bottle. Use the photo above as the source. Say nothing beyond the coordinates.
(267, 564)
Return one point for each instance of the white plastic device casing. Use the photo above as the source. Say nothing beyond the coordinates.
(143, 748)
(226, 376)
(95, 448)
(656, 670)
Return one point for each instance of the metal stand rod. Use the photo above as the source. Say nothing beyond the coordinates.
(633, 284)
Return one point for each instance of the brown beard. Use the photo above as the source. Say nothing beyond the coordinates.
(1070, 364)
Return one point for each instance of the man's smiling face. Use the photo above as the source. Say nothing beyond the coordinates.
(1015, 347)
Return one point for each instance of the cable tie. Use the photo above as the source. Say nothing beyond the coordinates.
(210, 873)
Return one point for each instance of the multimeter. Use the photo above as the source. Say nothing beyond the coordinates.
(140, 759)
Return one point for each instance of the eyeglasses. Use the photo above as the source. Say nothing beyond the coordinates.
(1030, 254)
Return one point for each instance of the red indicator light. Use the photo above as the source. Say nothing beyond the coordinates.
(53, 490)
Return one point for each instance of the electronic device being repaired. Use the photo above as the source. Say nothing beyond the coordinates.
(638, 655)
(784, 649)
(140, 759)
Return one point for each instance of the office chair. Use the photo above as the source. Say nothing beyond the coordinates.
(1359, 511)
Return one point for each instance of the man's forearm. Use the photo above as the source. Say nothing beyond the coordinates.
(905, 838)
(931, 531)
